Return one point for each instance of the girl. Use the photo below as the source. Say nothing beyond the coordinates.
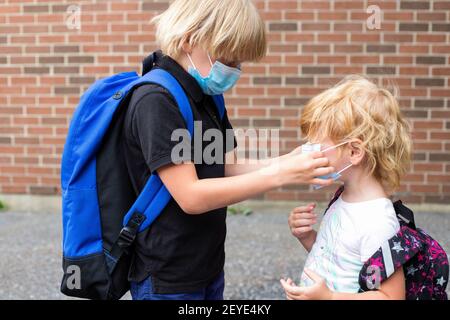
(360, 129)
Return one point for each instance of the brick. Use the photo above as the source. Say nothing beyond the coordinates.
(441, 71)
(5, 140)
(295, 101)
(441, 27)
(429, 103)
(438, 157)
(431, 16)
(314, 48)
(37, 70)
(51, 60)
(67, 90)
(413, 26)
(81, 80)
(300, 80)
(415, 5)
(81, 59)
(36, 8)
(66, 49)
(430, 60)
(430, 82)
(266, 123)
(155, 6)
(346, 5)
(66, 70)
(441, 5)
(315, 70)
(315, 27)
(287, 26)
(380, 70)
(415, 114)
(381, 48)
(267, 80)
(342, 48)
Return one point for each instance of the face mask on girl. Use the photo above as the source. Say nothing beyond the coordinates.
(220, 79)
(311, 147)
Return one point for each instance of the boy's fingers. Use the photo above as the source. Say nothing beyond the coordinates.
(317, 155)
(322, 182)
(320, 162)
(322, 171)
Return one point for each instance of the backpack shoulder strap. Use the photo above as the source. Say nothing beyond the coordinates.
(404, 215)
(220, 104)
(393, 254)
(154, 196)
(168, 82)
(336, 196)
(147, 63)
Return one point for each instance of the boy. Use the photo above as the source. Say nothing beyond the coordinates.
(203, 43)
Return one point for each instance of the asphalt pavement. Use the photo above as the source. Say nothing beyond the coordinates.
(259, 251)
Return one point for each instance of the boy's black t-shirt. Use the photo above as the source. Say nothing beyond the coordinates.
(181, 252)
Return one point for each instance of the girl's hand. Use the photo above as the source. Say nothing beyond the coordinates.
(318, 291)
(301, 220)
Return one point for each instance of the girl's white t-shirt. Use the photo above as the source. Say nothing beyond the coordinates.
(349, 234)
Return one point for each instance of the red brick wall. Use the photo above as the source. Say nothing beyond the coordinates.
(45, 67)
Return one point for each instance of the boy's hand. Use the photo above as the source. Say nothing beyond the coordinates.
(318, 291)
(301, 220)
(295, 168)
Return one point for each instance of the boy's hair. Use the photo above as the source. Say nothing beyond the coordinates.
(356, 108)
(231, 30)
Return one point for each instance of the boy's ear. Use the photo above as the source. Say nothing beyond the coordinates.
(357, 151)
(186, 46)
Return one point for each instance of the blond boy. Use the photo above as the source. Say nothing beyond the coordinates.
(203, 44)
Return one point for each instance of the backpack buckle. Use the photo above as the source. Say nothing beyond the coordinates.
(129, 232)
(126, 237)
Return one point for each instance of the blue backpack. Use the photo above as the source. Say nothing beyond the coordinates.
(101, 212)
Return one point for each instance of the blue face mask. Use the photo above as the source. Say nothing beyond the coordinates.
(311, 147)
(220, 79)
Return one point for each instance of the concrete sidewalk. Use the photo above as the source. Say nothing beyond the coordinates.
(259, 250)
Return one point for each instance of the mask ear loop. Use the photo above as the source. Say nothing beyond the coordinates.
(192, 62)
(342, 170)
(333, 147)
(210, 61)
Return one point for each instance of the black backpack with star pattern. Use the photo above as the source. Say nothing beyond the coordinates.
(424, 262)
